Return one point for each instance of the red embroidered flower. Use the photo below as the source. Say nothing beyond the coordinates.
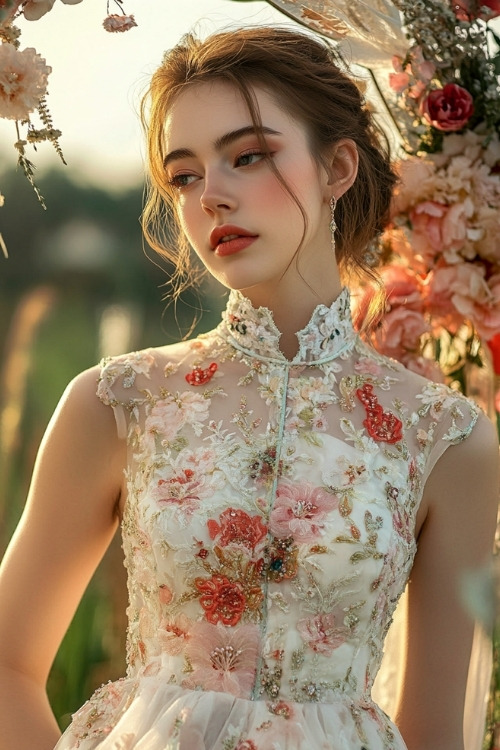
(449, 108)
(200, 376)
(237, 527)
(382, 426)
(222, 600)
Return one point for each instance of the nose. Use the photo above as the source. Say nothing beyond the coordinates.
(217, 195)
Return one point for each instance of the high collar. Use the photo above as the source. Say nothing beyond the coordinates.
(253, 331)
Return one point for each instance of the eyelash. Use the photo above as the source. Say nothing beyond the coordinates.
(175, 181)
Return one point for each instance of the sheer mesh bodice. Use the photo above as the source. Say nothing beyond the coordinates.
(268, 532)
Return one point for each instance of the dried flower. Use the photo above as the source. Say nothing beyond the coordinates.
(115, 22)
(23, 81)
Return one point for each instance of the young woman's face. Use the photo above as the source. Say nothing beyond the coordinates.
(236, 214)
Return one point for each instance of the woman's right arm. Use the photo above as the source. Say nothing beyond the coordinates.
(69, 521)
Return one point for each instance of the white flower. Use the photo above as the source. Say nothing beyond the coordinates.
(23, 81)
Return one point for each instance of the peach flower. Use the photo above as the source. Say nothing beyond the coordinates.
(23, 81)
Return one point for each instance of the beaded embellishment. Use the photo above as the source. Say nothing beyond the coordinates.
(381, 425)
(200, 376)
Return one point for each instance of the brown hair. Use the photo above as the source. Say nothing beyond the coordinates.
(304, 77)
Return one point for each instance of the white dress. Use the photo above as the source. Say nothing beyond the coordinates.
(268, 535)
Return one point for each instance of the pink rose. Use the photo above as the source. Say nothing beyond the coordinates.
(402, 287)
(449, 108)
(401, 332)
(461, 292)
(427, 227)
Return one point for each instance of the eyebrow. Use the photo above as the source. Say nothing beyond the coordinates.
(222, 142)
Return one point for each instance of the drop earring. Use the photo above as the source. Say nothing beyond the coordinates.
(333, 224)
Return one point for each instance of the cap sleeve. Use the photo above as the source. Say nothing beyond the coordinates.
(453, 418)
(123, 384)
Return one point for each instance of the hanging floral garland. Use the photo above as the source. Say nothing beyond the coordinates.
(24, 76)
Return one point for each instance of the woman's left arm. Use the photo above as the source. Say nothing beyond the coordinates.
(461, 497)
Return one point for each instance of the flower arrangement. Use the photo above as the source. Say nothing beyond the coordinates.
(441, 251)
(24, 76)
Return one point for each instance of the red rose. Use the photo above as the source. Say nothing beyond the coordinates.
(494, 345)
(449, 108)
(469, 10)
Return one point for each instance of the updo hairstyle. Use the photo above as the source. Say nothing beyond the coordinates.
(301, 73)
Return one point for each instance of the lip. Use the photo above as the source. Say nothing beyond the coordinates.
(234, 246)
(223, 231)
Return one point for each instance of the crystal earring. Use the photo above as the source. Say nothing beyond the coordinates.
(333, 225)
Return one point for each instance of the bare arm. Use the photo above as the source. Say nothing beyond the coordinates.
(69, 520)
(461, 497)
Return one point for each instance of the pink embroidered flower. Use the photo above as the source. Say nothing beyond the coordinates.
(23, 81)
(182, 489)
(246, 745)
(115, 22)
(449, 108)
(300, 510)
(223, 659)
(367, 366)
(173, 634)
(321, 633)
(222, 600)
(238, 528)
(165, 594)
(169, 415)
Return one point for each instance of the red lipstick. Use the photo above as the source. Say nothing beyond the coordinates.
(229, 239)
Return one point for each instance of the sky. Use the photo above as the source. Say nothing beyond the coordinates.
(97, 77)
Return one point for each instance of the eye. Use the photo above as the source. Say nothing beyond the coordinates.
(181, 180)
(249, 158)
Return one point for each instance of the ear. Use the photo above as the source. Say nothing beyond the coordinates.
(341, 167)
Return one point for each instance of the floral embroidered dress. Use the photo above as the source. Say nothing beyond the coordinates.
(268, 534)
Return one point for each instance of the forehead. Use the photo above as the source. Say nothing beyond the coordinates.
(204, 111)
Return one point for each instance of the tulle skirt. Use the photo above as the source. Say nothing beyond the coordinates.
(150, 714)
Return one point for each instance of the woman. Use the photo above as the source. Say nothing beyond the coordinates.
(271, 485)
